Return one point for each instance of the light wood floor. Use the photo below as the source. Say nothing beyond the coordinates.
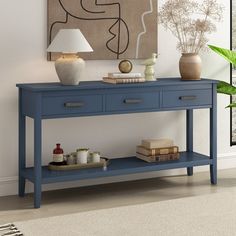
(60, 202)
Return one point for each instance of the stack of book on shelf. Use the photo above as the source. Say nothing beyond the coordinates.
(157, 150)
(123, 78)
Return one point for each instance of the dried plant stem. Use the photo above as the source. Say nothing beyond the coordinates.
(198, 47)
(175, 15)
(177, 30)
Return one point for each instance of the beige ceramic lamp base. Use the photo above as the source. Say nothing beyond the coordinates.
(69, 69)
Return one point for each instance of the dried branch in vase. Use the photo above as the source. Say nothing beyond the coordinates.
(190, 22)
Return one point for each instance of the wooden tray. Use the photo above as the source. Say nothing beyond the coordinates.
(104, 161)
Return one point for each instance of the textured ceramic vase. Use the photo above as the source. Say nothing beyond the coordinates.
(69, 69)
(190, 66)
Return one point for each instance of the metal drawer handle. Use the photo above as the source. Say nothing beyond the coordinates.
(132, 101)
(73, 104)
(187, 97)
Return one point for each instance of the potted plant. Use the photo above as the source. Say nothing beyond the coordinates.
(190, 22)
(224, 87)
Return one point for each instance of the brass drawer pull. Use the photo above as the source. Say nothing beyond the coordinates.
(184, 98)
(132, 101)
(73, 104)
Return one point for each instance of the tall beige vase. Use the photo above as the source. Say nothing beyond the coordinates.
(190, 66)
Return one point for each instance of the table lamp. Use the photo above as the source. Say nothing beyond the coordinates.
(69, 66)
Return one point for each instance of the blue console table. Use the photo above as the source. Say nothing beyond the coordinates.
(53, 100)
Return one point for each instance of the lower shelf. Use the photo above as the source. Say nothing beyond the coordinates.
(120, 166)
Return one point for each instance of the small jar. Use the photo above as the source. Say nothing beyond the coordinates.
(96, 157)
(70, 159)
(82, 155)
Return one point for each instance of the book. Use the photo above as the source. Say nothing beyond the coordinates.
(124, 75)
(156, 151)
(157, 143)
(123, 80)
(158, 158)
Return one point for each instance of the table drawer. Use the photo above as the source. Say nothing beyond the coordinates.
(132, 101)
(82, 104)
(185, 98)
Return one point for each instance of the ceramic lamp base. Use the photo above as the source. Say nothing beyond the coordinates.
(69, 69)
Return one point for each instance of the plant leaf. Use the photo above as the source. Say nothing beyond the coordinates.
(226, 88)
(232, 105)
(229, 55)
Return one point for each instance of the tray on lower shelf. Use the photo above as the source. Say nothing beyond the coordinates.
(103, 162)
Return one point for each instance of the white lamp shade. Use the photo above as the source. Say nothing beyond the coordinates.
(69, 41)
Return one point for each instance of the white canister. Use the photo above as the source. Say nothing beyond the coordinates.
(82, 156)
(95, 157)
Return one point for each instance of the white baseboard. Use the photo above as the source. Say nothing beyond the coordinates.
(9, 185)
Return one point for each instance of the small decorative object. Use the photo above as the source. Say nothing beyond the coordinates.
(190, 66)
(69, 66)
(82, 155)
(58, 154)
(70, 159)
(125, 66)
(190, 21)
(95, 157)
(149, 70)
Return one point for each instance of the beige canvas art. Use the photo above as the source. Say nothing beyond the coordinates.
(116, 29)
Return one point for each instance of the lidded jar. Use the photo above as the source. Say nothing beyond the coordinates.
(82, 155)
(96, 157)
(58, 153)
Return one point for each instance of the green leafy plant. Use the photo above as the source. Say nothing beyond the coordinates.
(224, 87)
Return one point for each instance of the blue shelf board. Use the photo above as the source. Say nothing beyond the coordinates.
(119, 166)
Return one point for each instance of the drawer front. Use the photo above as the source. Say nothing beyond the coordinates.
(185, 98)
(132, 101)
(72, 105)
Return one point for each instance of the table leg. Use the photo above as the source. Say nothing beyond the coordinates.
(189, 136)
(22, 144)
(213, 137)
(37, 162)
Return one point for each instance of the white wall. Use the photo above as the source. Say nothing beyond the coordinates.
(23, 59)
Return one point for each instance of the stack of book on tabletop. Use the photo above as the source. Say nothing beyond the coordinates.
(123, 78)
(157, 150)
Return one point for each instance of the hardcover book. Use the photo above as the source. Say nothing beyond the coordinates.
(124, 75)
(123, 80)
(156, 151)
(158, 158)
(157, 143)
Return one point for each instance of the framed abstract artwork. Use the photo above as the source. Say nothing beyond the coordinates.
(233, 71)
(116, 29)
